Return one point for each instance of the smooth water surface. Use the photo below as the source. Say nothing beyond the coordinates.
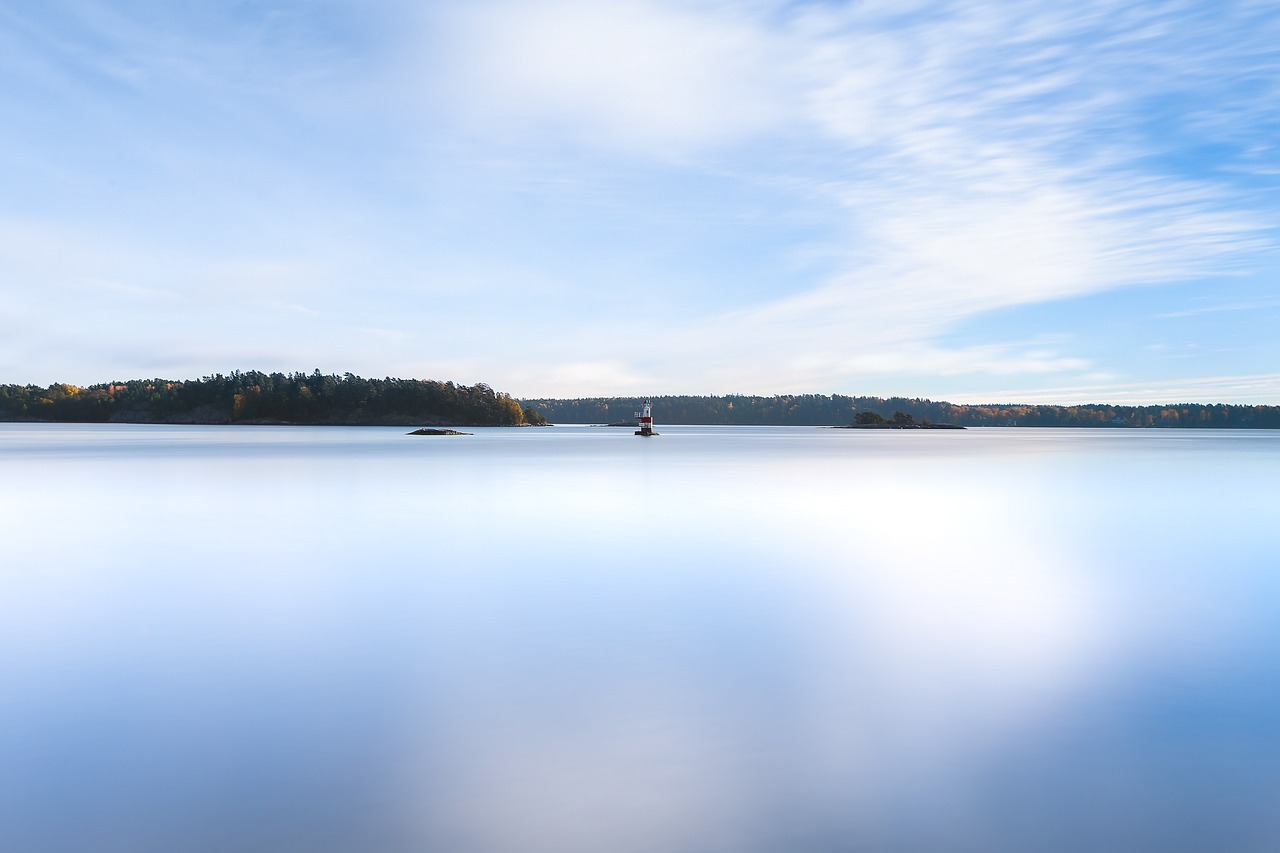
(573, 639)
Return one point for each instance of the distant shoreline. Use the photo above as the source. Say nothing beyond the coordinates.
(827, 410)
(897, 426)
(315, 399)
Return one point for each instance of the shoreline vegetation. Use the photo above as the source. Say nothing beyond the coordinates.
(900, 420)
(253, 397)
(838, 410)
(316, 399)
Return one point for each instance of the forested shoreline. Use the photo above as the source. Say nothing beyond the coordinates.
(840, 410)
(253, 397)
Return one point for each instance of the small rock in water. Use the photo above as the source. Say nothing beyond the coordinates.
(433, 431)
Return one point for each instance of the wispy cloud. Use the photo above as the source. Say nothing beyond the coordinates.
(972, 156)
(1230, 307)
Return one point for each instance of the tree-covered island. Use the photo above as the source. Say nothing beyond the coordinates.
(900, 420)
(253, 397)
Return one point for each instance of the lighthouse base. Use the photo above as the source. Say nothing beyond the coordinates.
(645, 431)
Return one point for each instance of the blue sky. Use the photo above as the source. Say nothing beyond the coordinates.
(971, 201)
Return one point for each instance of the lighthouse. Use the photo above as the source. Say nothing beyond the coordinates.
(645, 418)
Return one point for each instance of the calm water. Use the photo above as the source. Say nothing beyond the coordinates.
(573, 639)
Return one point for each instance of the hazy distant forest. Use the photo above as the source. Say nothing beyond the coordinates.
(836, 410)
(255, 397)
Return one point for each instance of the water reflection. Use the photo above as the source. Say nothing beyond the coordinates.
(567, 640)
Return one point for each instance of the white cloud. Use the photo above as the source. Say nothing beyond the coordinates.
(634, 74)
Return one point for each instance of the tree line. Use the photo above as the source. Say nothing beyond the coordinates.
(256, 397)
(316, 398)
(840, 410)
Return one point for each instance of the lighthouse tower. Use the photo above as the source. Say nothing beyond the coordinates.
(645, 418)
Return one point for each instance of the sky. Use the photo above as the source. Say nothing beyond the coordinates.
(1029, 201)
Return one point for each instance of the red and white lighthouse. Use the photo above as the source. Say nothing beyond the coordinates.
(645, 419)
